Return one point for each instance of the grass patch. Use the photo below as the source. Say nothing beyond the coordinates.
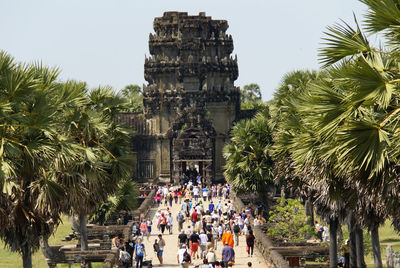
(387, 236)
(10, 259)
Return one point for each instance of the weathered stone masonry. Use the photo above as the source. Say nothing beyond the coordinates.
(190, 102)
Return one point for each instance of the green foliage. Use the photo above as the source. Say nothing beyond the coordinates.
(60, 151)
(289, 222)
(250, 97)
(125, 199)
(248, 163)
(134, 98)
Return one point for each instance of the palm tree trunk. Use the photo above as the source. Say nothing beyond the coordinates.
(26, 257)
(353, 245)
(339, 235)
(333, 226)
(83, 231)
(360, 246)
(376, 247)
(310, 211)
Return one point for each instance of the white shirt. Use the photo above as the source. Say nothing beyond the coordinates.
(180, 254)
(211, 256)
(195, 191)
(169, 220)
(205, 193)
(203, 239)
(189, 231)
(165, 191)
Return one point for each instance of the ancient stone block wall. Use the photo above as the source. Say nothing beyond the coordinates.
(190, 100)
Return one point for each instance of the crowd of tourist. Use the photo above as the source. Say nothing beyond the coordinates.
(205, 219)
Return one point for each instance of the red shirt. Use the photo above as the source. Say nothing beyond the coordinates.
(194, 216)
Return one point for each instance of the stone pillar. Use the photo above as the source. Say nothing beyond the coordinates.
(219, 158)
(165, 167)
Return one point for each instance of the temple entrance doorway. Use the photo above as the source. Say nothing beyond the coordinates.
(192, 155)
(192, 168)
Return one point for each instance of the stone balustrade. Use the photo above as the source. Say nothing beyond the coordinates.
(99, 242)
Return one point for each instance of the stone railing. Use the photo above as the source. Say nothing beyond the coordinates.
(145, 206)
(99, 242)
(262, 242)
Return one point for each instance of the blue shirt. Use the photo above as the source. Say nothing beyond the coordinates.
(139, 249)
(211, 207)
(228, 253)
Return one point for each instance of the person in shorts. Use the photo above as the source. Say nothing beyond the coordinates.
(194, 244)
(161, 244)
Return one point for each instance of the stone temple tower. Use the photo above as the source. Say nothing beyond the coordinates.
(190, 102)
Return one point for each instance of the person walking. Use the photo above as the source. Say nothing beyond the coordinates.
(203, 244)
(170, 198)
(180, 218)
(169, 222)
(143, 228)
(227, 238)
(161, 245)
(195, 217)
(196, 193)
(211, 257)
(162, 222)
(228, 254)
(183, 257)
(182, 238)
(236, 233)
(205, 193)
(148, 224)
(194, 244)
(250, 243)
(140, 253)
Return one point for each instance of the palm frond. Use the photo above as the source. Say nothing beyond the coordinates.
(342, 41)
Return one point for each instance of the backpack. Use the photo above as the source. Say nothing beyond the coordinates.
(125, 256)
(186, 257)
(163, 220)
(156, 247)
(236, 228)
(181, 218)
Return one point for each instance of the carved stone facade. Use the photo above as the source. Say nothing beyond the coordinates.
(190, 102)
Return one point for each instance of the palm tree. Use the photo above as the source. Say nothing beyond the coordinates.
(134, 98)
(125, 199)
(31, 151)
(105, 158)
(249, 166)
(298, 147)
(366, 127)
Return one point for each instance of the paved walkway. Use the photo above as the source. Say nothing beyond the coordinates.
(171, 248)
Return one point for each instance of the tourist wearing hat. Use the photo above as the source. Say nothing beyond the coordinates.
(183, 257)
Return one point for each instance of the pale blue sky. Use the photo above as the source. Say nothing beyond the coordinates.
(104, 42)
